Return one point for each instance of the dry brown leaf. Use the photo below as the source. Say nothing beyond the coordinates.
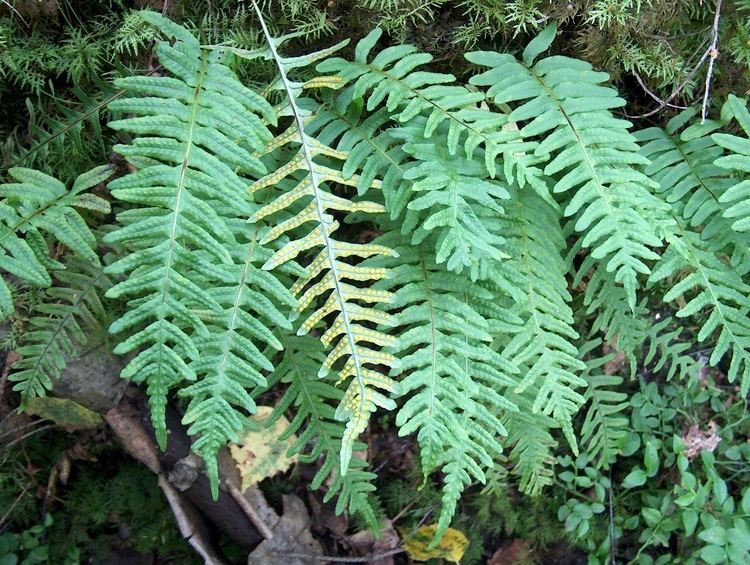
(697, 440)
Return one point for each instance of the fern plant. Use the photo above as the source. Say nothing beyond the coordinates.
(453, 251)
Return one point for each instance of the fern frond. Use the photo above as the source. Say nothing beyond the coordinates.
(230, 362)
(738, 196)
(38, 205)
(533, 452)
(632, 332)
(604, 428)
(544, 345)
(186, 127)
(449, 197)
(369, 147)
(614, 320)
(67, 135)
(454, 377)
(391, 78)
(684, 163)
(668, 351)
(313, 402)
(352, 334)
(720, 289)
(591, 152)
(60, 326)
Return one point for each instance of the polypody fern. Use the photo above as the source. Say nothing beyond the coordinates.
(454, 250)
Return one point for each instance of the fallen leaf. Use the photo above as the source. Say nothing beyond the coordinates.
(259, 453)
(291, 538)
(65, 413)
(451, 547)
(516, 553)
(697, 440)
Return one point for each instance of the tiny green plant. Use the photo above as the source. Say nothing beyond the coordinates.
(368, 235)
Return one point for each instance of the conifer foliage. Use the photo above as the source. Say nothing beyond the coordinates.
(365, 235)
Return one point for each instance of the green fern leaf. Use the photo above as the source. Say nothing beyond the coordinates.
(60, 327)
(319, 434)
(592, 154)
(543, 345)
(391, 78)
(534, 447)
(195, 131)
(686, 167)
(739, 161)
(454, 376)
(449, 197)
(719, 288)
(230, 362)
(604, 428)
(38, 205)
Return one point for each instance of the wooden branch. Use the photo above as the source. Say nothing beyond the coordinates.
(713, 53)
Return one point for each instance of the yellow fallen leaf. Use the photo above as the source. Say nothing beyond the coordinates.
(451, 546)
(65, 413)
(259, 454)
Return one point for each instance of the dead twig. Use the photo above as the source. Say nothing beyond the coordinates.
(333, 559)
(654, 96)
(12, 506)
(677, 90)
(713, 53)
(249, 511)
(28, 435)
(187, 522)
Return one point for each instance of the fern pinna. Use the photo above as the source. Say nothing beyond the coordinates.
(457, 254)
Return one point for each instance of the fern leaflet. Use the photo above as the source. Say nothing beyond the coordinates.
(60, 326)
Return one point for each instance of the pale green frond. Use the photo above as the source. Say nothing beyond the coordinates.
(452, 377)
(232, 360)
(685, 162)
(604, 427)
(708, 286)
(534, 447)
(543, 344)
(449, 196)
(337, 290)
(591, 155)
(736, 160)
(195, 131)
(393, 78)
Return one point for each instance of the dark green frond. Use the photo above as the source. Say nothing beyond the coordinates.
(319, 433)
(36, 207)
(60, 327)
